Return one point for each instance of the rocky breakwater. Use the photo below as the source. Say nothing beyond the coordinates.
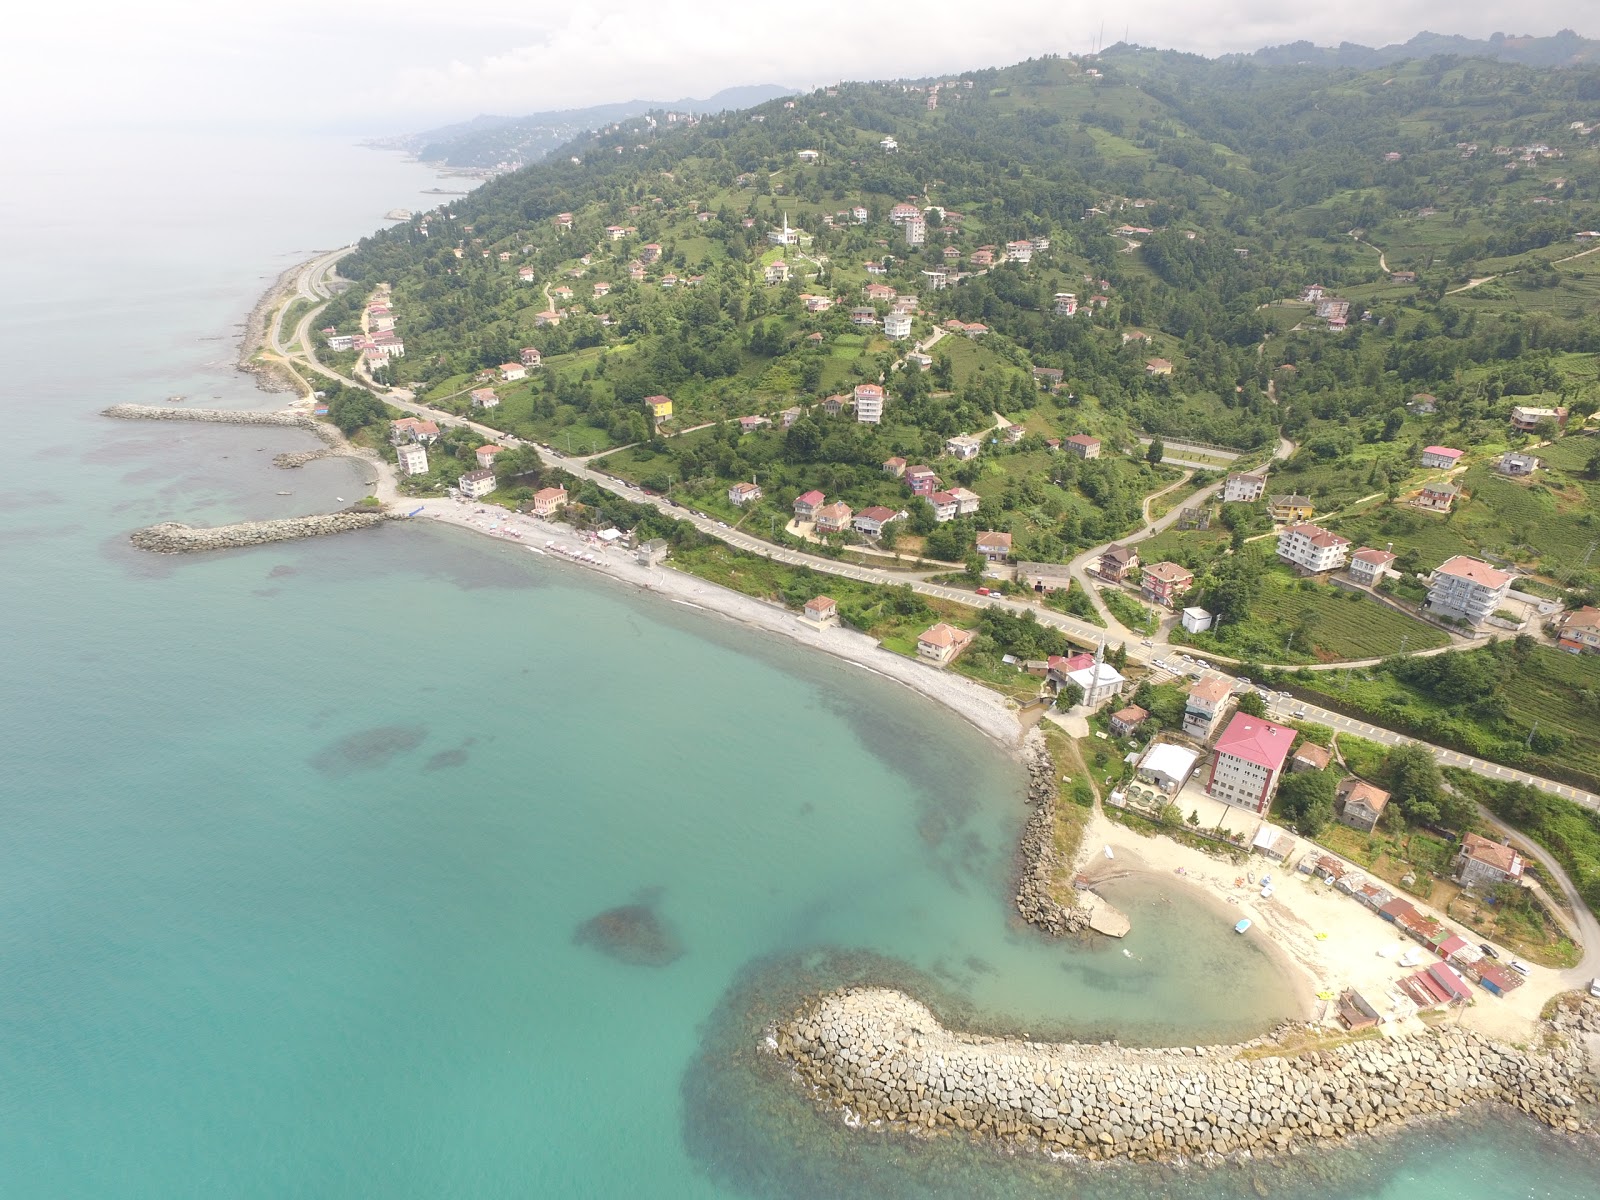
(214, 416)
(1040, 865)
(173, 538)
(882, 1058)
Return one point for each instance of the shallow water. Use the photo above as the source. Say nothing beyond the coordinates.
(296, 841)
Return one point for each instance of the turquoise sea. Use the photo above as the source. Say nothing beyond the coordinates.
(302, 850)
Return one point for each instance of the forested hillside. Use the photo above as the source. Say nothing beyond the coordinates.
(1145, 224)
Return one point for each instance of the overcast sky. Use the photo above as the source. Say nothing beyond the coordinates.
(387, 66)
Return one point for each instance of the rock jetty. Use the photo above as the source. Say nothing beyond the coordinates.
(215, 416)
(1039, 863)
(883, 1059)
(173, 538)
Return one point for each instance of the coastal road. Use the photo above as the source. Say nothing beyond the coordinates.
(1283, 707)
(1083, 632)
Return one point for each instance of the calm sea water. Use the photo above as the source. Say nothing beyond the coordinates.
(294, 844)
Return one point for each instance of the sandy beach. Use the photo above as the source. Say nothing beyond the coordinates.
(1326, 940)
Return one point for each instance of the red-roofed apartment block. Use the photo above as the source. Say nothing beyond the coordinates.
(1249, 760)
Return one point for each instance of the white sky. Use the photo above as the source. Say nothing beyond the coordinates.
(388, 66)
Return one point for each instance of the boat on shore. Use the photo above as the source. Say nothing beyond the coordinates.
(1244, 923)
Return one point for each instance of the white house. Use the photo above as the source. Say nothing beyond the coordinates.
(476, 484)
(963, 446)
(1440, 456)
(1513, 462)
(1197, 620)
(513, 371)
(1468, 589)
(1312, 548)
(869, 403)
(1167, 765)
(1206, 702)
(897, 326)
(485, 398)
(413, 458)
(942, 643)
(744, 493)
(1245, 487)
(967, 502)
(1099, 680)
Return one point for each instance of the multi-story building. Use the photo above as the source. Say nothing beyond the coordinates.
(1245, 487)
(1527, 418)
(1164, 582)
(1368, 567)
(1083, 445)
(963, 446)
(1204, 706)
(1249, 761)
(869, 403)
(1290, 508)
(1440, 456)
(476, 484)
(413, 458)
(1311, 548)
(1467, 589)
(897, 326)
(1484, 863)
(1580, 631)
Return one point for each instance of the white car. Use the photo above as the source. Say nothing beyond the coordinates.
(1147, 642)
(1521, 968)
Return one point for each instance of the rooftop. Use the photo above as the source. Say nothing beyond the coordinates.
(1474, 570)
(1256, 740)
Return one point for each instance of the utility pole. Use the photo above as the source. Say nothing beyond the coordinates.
(1404, 638)
(1531, 732)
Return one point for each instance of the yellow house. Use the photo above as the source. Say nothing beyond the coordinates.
(660, 406)
(1289, 508)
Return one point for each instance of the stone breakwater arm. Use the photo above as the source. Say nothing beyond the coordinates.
(224, 416)
(880, 1056)
(1039, 865)
(173, 538)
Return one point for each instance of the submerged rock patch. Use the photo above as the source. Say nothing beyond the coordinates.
(368, 749)
(632, 933)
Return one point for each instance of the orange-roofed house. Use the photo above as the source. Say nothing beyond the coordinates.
(548, 501)
(1467, 589)
(821, 610)
(942, 644)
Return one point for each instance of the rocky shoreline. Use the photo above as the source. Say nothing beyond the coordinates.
(1038, 862)
(174, 538)
(880, 1058)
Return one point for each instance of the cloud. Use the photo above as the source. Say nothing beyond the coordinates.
(385, 65)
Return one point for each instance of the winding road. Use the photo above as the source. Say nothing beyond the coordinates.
(314, 284)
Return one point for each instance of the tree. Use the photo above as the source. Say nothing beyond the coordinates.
(1069, 695)
(1252, 704)
(1415, 784)
(1306, 799)
(1155, 451)
(974, 569)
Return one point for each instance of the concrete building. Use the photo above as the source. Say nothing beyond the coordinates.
(995, 547)
(1164, 582)
(1245, 487)
(413, 458)
(549, 501)
(834, 518)
(1290, 508)
(897, 326)
(744, 493)
(963, 446)
(869, 403)
(1167, 766)
(822, 611)
(942, 644)
(1197, 620)
(1467, 589)
(1368, 566)
(1484, 863)
(1580, 631)
(1083, 445)
(1044, 577)
(1527, 418)
(1440, 456)
(1116, 562)
(869, 522)
(651, 553)
(1515, 463)
(1204, 706)
(1359, 804)
(1437, 497)
(476, 484)
(1311, 548)
(1249, 761)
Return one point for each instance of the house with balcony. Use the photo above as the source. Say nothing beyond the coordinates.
(869, 403)
(944, 506)
(1516, 464)
(1116, 562)
(1467, 589)
(942, 644)
(806, 505)
(1204, 706)
(967, 502)
(1083, 445)
(1311, 549)
(869, 522)
(1437, 497)
(922, 481)
(413, 458)
(1580, 631)
(1245, 487)
(994, 546)
(1164, 582)
(833, 518)
(743, 493)
(475, 485)
(549, 501)
(1526, 418)
(963, 446)
(1290, 508)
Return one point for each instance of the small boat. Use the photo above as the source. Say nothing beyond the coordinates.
(1266, 892)
(1243, 924)
(1411, 958)
(285, 493)
(1108, 853)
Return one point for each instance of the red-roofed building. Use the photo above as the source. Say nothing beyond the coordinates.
(1440, 456)
(1482, 862)
(833, 518)
(1083, 445)
(1368, 567)
(942, 643)
(1164, 582)
(805, 506)
(1312, 548)
(1249, 760)
(547, 501)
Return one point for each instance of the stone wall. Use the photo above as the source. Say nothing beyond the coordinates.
(1038, 862)
(881, 1057)
(173, 538)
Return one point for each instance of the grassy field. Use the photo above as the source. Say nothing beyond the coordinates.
(1338, 625)
(1141, 618)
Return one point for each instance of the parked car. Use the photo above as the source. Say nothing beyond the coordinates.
(1520, 968)
(1488, 949)
(1299, 714)
(1147, 642)
(1594, 986)
(984, 592)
